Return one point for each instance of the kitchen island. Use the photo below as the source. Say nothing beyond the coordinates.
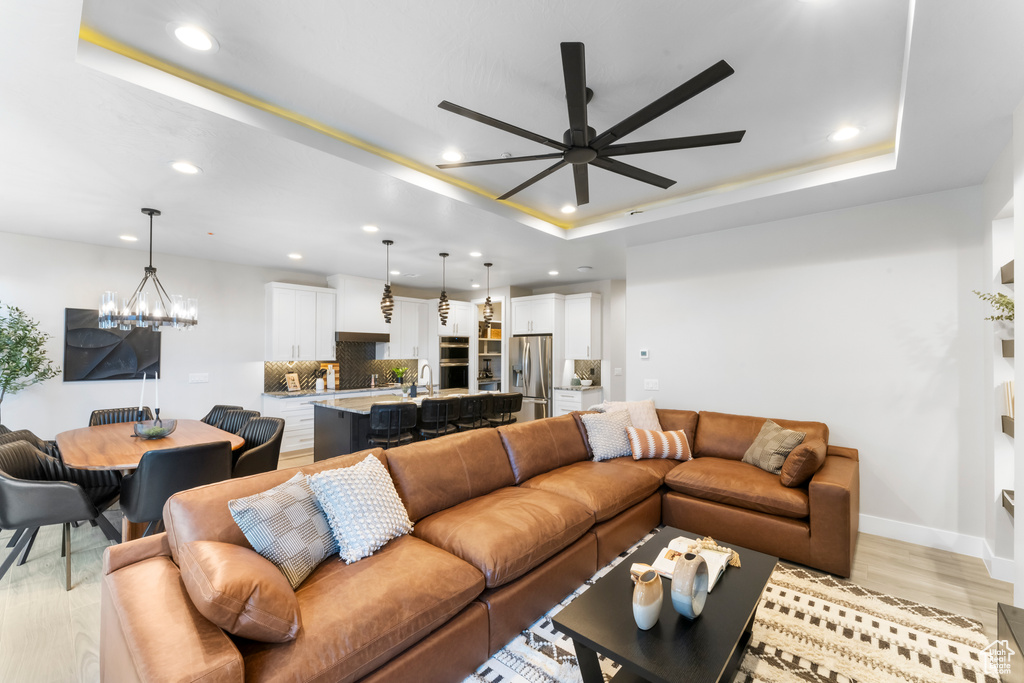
(342, 425)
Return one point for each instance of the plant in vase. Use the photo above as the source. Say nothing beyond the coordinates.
(23, 360)
(400, 374)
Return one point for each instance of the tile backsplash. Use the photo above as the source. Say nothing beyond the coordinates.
(274, 372)
(356, 363)
(583, 367)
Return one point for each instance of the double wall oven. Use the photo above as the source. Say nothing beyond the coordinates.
(454, 363)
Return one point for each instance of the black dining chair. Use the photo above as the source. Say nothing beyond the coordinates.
(163, 473)
(48, 447)
(471, 412)
(37, 490)
(505, 407)
(391, 424)
(109, 416)
(234, 420)
(262, 448)
(216, 414)
(438, 416)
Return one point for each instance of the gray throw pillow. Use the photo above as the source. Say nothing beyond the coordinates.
(362, 506)
(286, 525)
(772, 445)
(607, 434)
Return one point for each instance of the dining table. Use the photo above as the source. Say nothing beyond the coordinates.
(116, 447)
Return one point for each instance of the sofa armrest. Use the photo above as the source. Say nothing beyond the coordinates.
(123, 554)
(150, 630)
(835, 513)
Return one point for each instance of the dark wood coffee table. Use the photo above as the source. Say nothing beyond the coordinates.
(676, 649)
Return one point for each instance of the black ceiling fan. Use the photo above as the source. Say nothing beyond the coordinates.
(582, 146)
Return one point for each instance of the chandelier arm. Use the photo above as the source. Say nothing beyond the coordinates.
(161, 293)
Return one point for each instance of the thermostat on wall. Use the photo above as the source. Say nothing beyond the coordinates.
(644, 354)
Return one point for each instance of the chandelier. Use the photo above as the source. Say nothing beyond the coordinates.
(144, 310)
(387, 302)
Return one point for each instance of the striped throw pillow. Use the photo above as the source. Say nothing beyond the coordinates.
(648, 443)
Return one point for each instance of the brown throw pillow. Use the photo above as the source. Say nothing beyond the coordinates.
(239, 590)
(802, 463)
(648, 443)
(772, 445)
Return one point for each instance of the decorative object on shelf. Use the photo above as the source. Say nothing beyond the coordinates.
(154, 429)
(23, 360)
(167, 309)
(488, 306)
(387, 302)
(442, 303)
(292, 381)
(690, 585)
(1002, 304)
(648, 595)
(1010, 398)
(92, 354)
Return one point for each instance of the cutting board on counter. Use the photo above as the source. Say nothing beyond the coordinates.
(337, 373)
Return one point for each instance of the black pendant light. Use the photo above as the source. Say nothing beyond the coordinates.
(442, 303)
(488, 307)
(387, 302)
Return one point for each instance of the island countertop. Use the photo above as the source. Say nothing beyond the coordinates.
(361, 404)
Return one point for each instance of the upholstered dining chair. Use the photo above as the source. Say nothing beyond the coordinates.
(438, 416)
(37, 490)
(262, 448)
(4, 430)
(162, 473)
(109, 416)
(234, 420)
(504, 408)
(472, 409)
(390, 424)
(216, 414)
(48, 447)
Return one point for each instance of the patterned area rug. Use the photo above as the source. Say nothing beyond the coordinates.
(809, 628)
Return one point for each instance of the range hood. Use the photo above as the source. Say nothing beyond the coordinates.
(362, 337)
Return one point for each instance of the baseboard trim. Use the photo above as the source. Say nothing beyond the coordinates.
(999, 568)
(923, 535)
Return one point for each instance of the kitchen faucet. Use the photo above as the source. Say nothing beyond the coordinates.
(425, 371)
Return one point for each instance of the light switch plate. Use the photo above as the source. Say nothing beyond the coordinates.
(617, 372)
(198, 377)
(650, 385)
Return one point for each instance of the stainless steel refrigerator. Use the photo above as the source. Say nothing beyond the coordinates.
(531, 374)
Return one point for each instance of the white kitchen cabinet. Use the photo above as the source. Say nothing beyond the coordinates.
(297, 414)
(566, 401)
(358, 306)
(461, 320)
(534, 314)
(409, 329)
(295, 329)
(583, 327)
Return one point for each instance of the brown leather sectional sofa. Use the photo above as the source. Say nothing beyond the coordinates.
(507, 523)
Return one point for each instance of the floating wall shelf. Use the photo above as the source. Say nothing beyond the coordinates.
(1008, 501)
(1006, 274)
(1007, 348)
(1008, 425)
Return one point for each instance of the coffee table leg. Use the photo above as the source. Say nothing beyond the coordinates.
(590, 668)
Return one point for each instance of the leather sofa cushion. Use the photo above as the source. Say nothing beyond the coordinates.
(802, 463)
(542, 445)
(436, 474)
(240, 591)
(507, 532)
(202, 514)
(738, 484)
(659, 467)
(356, 617)
(721, 435)
(604, 490)
(686, 420)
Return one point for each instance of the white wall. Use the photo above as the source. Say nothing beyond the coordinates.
(44, 277)
(861, 318)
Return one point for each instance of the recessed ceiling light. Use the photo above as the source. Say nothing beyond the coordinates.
(475, 285)
(129, 238)
(452, 155)
(185, 167)
(568, 208)
(295, 257)
(194, 37)
(552, 272)
(370, 228)
(412, 274)
(585, 269)
(396, 272)
(844, 133)
(475, 254)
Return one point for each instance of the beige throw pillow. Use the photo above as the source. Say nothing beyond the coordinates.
(772, 445)
(607, 434)
(642, 414)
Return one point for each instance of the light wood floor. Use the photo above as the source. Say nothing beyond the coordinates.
(47, 634)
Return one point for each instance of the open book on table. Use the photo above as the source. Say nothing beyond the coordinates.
(666, 562)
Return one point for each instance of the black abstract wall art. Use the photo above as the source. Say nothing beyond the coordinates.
(93, 354)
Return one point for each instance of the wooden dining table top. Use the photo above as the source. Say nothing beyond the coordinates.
(115, 446)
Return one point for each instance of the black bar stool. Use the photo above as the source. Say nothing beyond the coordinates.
(437, 416)
(471, 412)
(390, 424)
(505, 408)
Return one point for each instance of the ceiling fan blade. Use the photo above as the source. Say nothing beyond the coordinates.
(690, 142)
(575, 72)
(581, 178)
(509, 160)
(696, 85)
(633, 172)
(501, 125)
(543, 174)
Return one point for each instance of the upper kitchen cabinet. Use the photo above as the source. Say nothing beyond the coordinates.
(300, 322)
(583, 327)
(461, 320)
(359, 304)
(409, 329)
(534, 314)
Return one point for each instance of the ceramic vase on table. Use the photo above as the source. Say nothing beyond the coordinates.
(647, 598)
(690, 585)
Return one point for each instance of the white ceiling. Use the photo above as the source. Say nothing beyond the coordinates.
(88, 135)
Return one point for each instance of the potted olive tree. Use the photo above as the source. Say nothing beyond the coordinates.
(23, 360)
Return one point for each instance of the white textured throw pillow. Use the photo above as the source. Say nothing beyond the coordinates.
(642, 414)
(607, 434)
(362, 506)
(286, 525)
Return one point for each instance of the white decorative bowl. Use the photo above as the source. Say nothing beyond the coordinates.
(586, 382)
